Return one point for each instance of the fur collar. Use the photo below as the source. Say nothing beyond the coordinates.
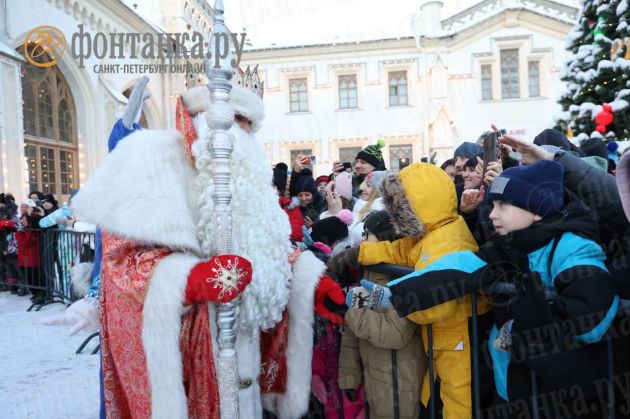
(134, 194)
(404, 218)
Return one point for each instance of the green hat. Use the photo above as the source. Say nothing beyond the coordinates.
(373, 155)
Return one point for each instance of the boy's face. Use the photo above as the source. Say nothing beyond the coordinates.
(507, 217)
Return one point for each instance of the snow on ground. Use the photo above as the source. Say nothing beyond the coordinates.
(40, 376)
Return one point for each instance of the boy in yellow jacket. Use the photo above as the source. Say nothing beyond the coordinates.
(422, 202)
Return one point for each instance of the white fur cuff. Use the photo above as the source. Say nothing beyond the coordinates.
(161, 328)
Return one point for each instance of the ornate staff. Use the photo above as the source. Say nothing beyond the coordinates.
(220, 119)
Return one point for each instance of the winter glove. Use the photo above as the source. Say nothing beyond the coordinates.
(81, 315)
(530, 309)
(533, 331)
(377, 296)
(221, 279)
(326, 293)
(346, 259)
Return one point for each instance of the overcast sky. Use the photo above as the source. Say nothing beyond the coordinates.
(301, 22)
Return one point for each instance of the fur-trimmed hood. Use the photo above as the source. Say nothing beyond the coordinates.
(245, 103)
(420, 199)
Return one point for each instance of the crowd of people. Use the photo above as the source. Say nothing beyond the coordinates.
(21, 241)
(545, 217)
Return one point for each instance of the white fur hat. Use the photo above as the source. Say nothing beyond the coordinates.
(245, 103)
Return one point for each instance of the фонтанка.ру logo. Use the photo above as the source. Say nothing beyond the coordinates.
(43, 45)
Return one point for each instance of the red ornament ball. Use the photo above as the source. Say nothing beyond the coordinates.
(600, 128)
(604, 118)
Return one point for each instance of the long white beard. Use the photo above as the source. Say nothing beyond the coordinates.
(260, 228)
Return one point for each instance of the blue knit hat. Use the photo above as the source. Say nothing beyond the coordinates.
(536, 188)
(468, 150)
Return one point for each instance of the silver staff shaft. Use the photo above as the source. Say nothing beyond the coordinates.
(220, 120)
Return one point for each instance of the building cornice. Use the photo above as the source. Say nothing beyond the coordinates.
(505, 17)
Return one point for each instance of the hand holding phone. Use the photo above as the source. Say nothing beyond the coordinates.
(490, 150)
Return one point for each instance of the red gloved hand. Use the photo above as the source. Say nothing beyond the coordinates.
(220, 279)
(328, 288)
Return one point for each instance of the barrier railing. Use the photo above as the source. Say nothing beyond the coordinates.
(43, 264)
(505, 289)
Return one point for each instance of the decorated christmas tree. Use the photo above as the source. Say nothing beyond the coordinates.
(596, 102)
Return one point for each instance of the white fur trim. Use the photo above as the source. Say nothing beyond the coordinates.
(248, 352)
(248, 104)
(81, 278)
(143, 191)
(196, 99)
(295, 203)
(244, 102)
(294, 402)
(161, 329)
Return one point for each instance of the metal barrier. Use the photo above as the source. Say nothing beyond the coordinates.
(43, 263)
(507, 289)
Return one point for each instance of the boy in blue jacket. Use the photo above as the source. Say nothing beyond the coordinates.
(565, 299)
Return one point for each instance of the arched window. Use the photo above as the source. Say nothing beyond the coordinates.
(50, 129)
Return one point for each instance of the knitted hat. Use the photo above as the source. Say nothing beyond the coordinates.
(556, 138)
(612, 148)
(343, 185)
(469, 150)
(376, 178)
(305, 184)
(329, 230)
(321, 179)
(372, 154)
(280, 172)
(380, 224)
(594, 147)
(536, 188)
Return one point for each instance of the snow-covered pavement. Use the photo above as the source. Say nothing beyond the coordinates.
(40, 376)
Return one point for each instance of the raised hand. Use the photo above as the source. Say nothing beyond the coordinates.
(471, 199)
